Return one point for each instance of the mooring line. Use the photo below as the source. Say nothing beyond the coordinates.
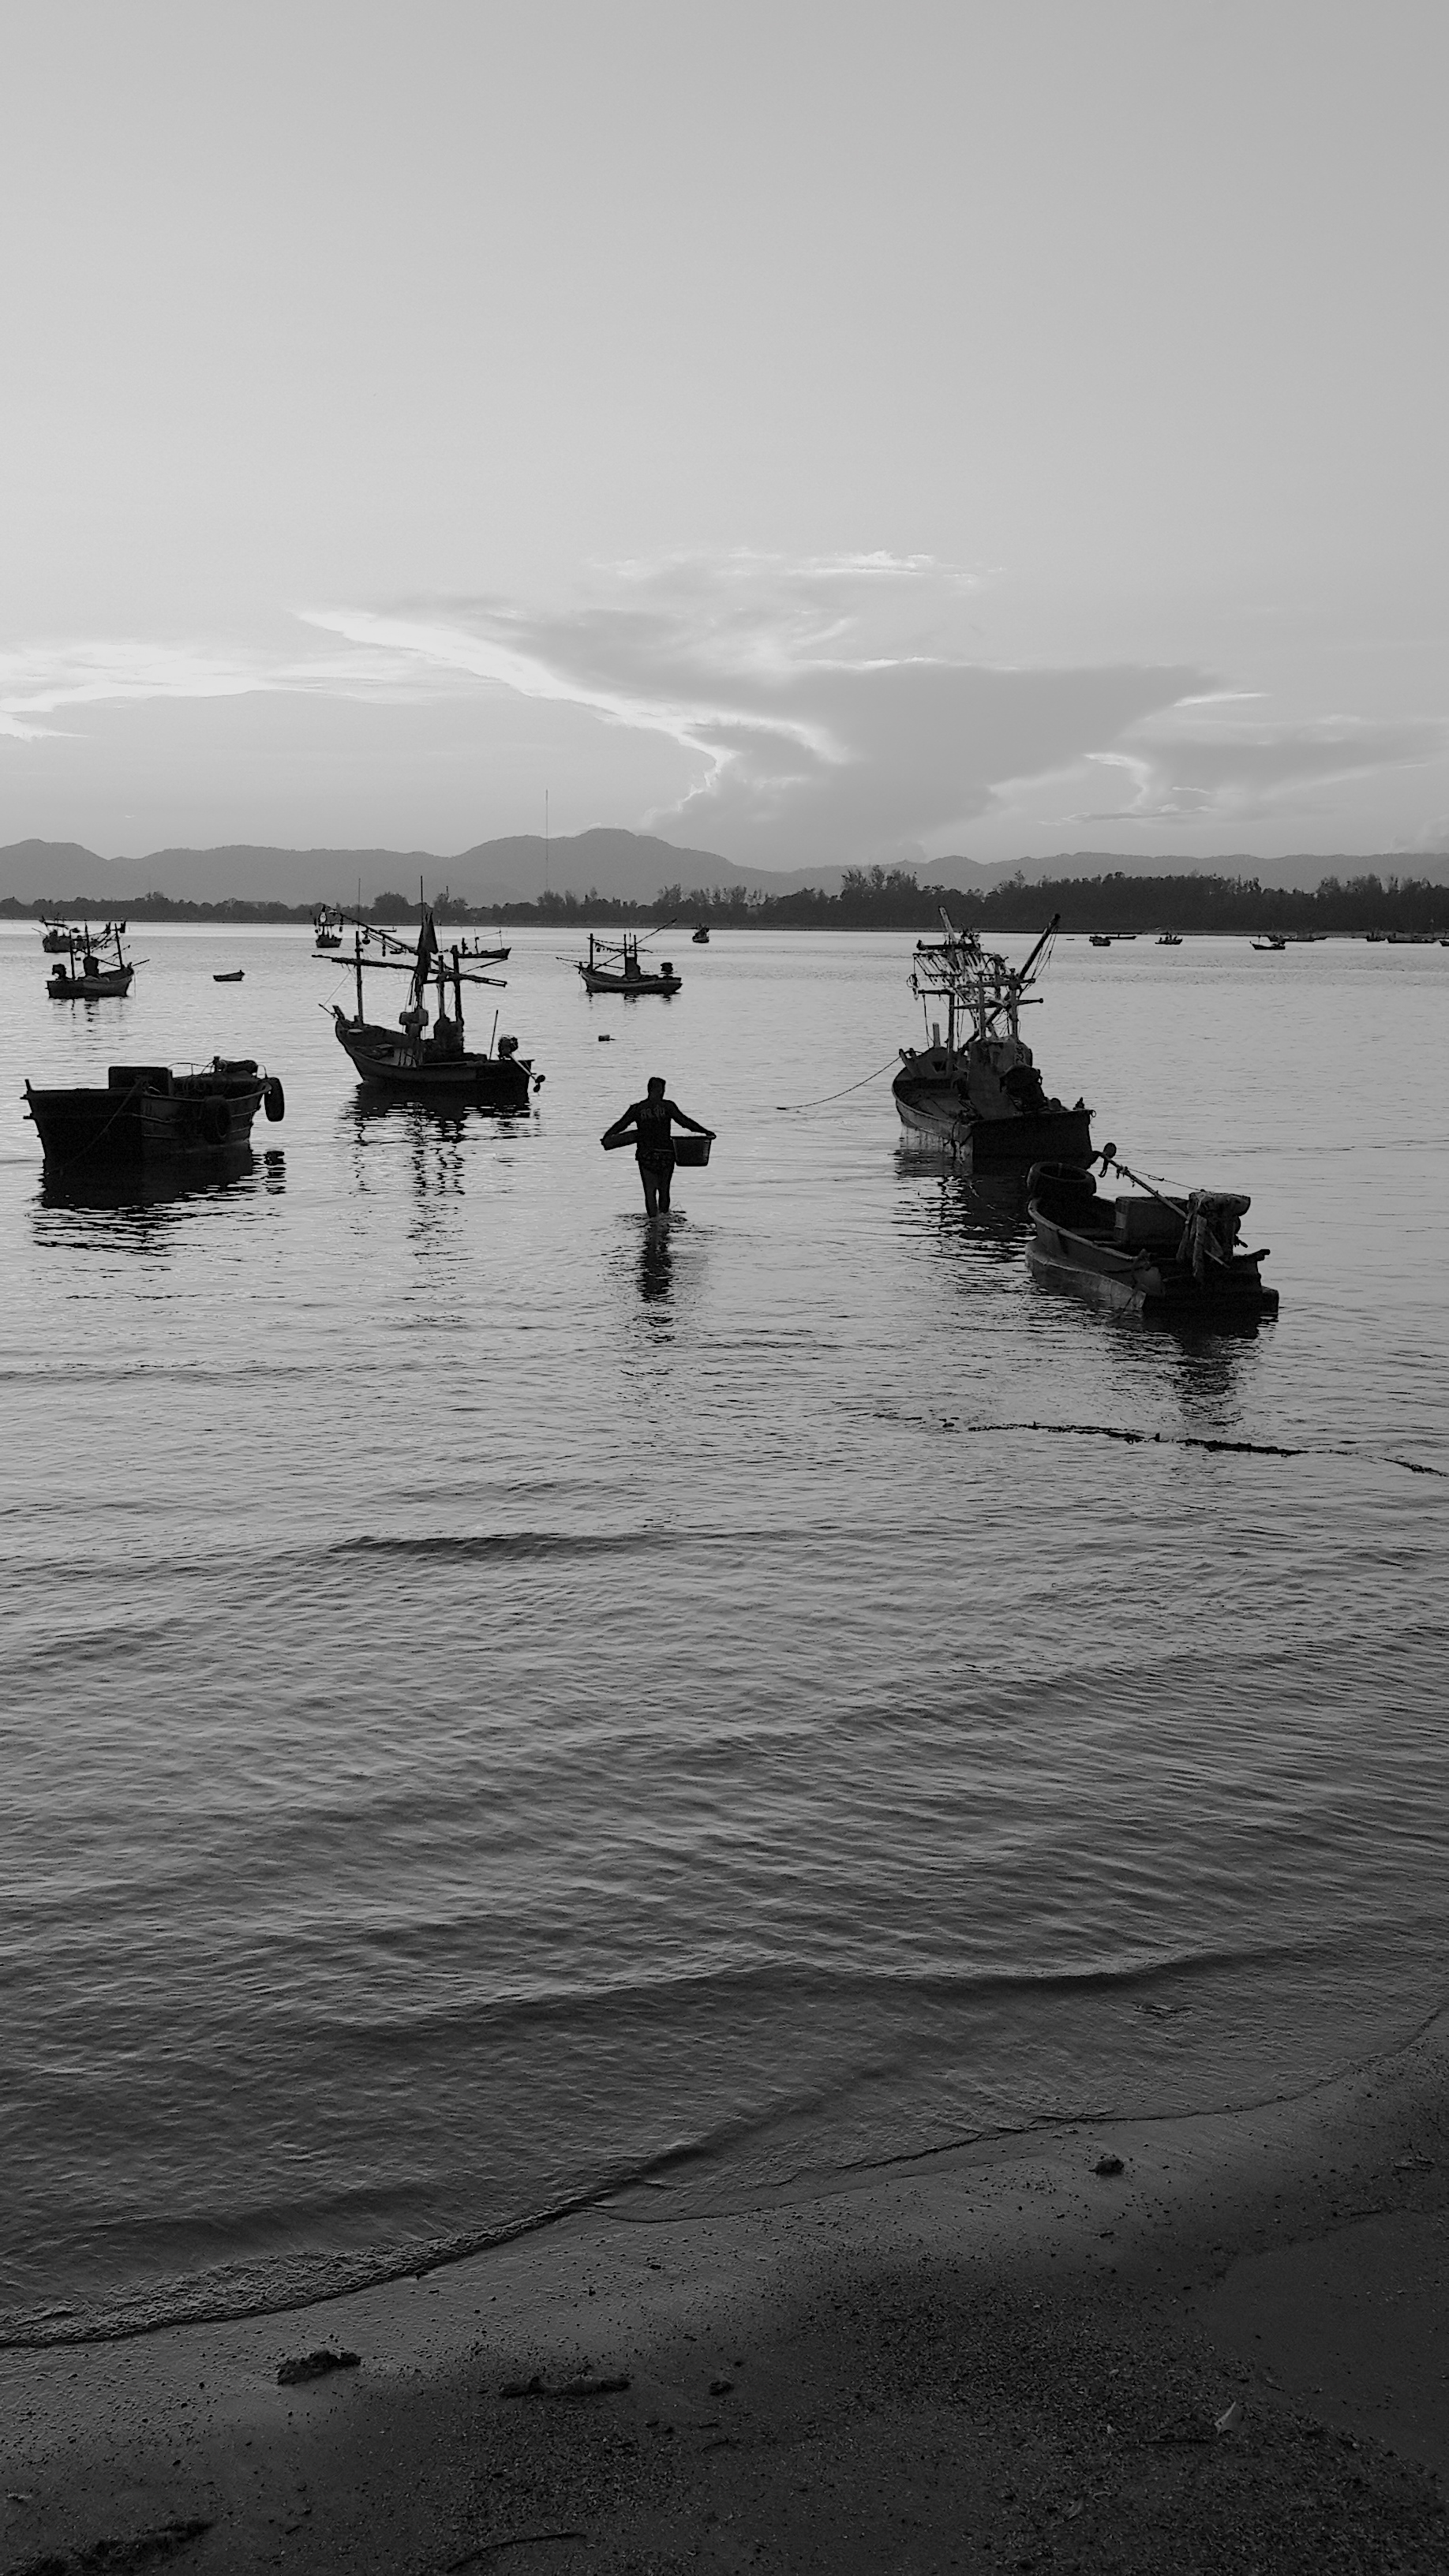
(789, 1106)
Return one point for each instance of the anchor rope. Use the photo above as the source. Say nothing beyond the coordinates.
(788, 1107)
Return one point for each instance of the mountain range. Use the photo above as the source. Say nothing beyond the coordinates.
(631, 866)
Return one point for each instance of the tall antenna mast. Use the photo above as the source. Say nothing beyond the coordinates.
(545, 840)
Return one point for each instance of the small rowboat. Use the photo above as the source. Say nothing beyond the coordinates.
(1146, 1253)
(233, 975)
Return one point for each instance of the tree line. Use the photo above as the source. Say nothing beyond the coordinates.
(879, 899)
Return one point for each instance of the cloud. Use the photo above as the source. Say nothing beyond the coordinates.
(1246, 771)
(49, 679)
(833, 707)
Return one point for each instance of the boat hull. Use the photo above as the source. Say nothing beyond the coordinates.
(1146, 1283)
(936, 1110)
(632, 986)
(477, 1081)
(110, 986)
(150, 1118)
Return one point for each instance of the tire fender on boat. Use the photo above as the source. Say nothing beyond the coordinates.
(274, 1100)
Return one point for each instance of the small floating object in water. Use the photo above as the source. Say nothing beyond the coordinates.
(606, 1037)
(233, 975)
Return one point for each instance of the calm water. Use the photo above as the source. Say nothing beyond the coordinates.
(496, 1710)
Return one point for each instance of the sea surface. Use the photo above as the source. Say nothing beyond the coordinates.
(500, 1711)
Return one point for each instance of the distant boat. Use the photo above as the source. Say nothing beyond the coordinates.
(1101, 939)
(327, 926)
(233, 975)
(976, 1089)
(85, 977)
(148, 1114)
(701, 936)
(1170, 939)
(613, 966)
(405, 1060)
(1272, 946)
(1146, 1253)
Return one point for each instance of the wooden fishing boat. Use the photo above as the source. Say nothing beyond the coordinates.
(86, 977)
(1170, 939)
(327, 926)
(1101, 939)
(233, 975)
(407, 1061)
(148, 1114)
(1274, 945)
(612, 966)
(700, 936)
(1145, 1252)
(976, 1091)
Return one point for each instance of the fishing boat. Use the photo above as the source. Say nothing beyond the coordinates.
(1145, 1252)
(86, 976)
(57, 934)
(1274, 944)
(977, 1090)
(1101, 939)
(701, 935)
(327, 926)
(612, 966)
(1170, 939)
(406, 1060)
(232, 975)
(148, 1114)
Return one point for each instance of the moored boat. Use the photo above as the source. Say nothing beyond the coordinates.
(1170, 939)
(406, 1060)
(327, 926)
(700, 936)
(149, 1114)
(1273, 945)
(1146, 1252)
(976, 1090)
(86, 976)
(612, 966)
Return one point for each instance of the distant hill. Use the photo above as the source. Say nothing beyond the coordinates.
(631, 866)
(628, 867)
(1301, 873)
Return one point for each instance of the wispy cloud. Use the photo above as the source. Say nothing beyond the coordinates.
(1182, 774)
(827, 708)
(833, 707)
(48, 680)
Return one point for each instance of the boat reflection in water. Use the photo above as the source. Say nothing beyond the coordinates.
(149, 1205)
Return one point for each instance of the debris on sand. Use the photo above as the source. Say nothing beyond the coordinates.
(1108, 2165)
(116, 2557)
(537, 2386)
(315, 2365)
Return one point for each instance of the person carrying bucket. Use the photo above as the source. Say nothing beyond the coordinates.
(651, 1120)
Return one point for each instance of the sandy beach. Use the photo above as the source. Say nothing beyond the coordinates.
(1232, 2353)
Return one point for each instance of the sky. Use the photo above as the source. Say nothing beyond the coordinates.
(816, 433)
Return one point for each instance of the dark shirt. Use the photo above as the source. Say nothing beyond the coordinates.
(652, 1119)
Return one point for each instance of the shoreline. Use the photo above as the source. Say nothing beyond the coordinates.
(995, 2354)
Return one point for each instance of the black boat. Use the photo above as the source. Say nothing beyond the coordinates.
(977, 1090)
(408, 1062)
(147, 1114)
(612, 966)
(1146, 1252)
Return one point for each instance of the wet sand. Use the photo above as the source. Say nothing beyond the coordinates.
(1232, 2354)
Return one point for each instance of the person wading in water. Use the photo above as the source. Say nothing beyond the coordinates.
(652, 1119)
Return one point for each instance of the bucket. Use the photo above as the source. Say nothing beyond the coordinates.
(612, 1144)
(692, 1151)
